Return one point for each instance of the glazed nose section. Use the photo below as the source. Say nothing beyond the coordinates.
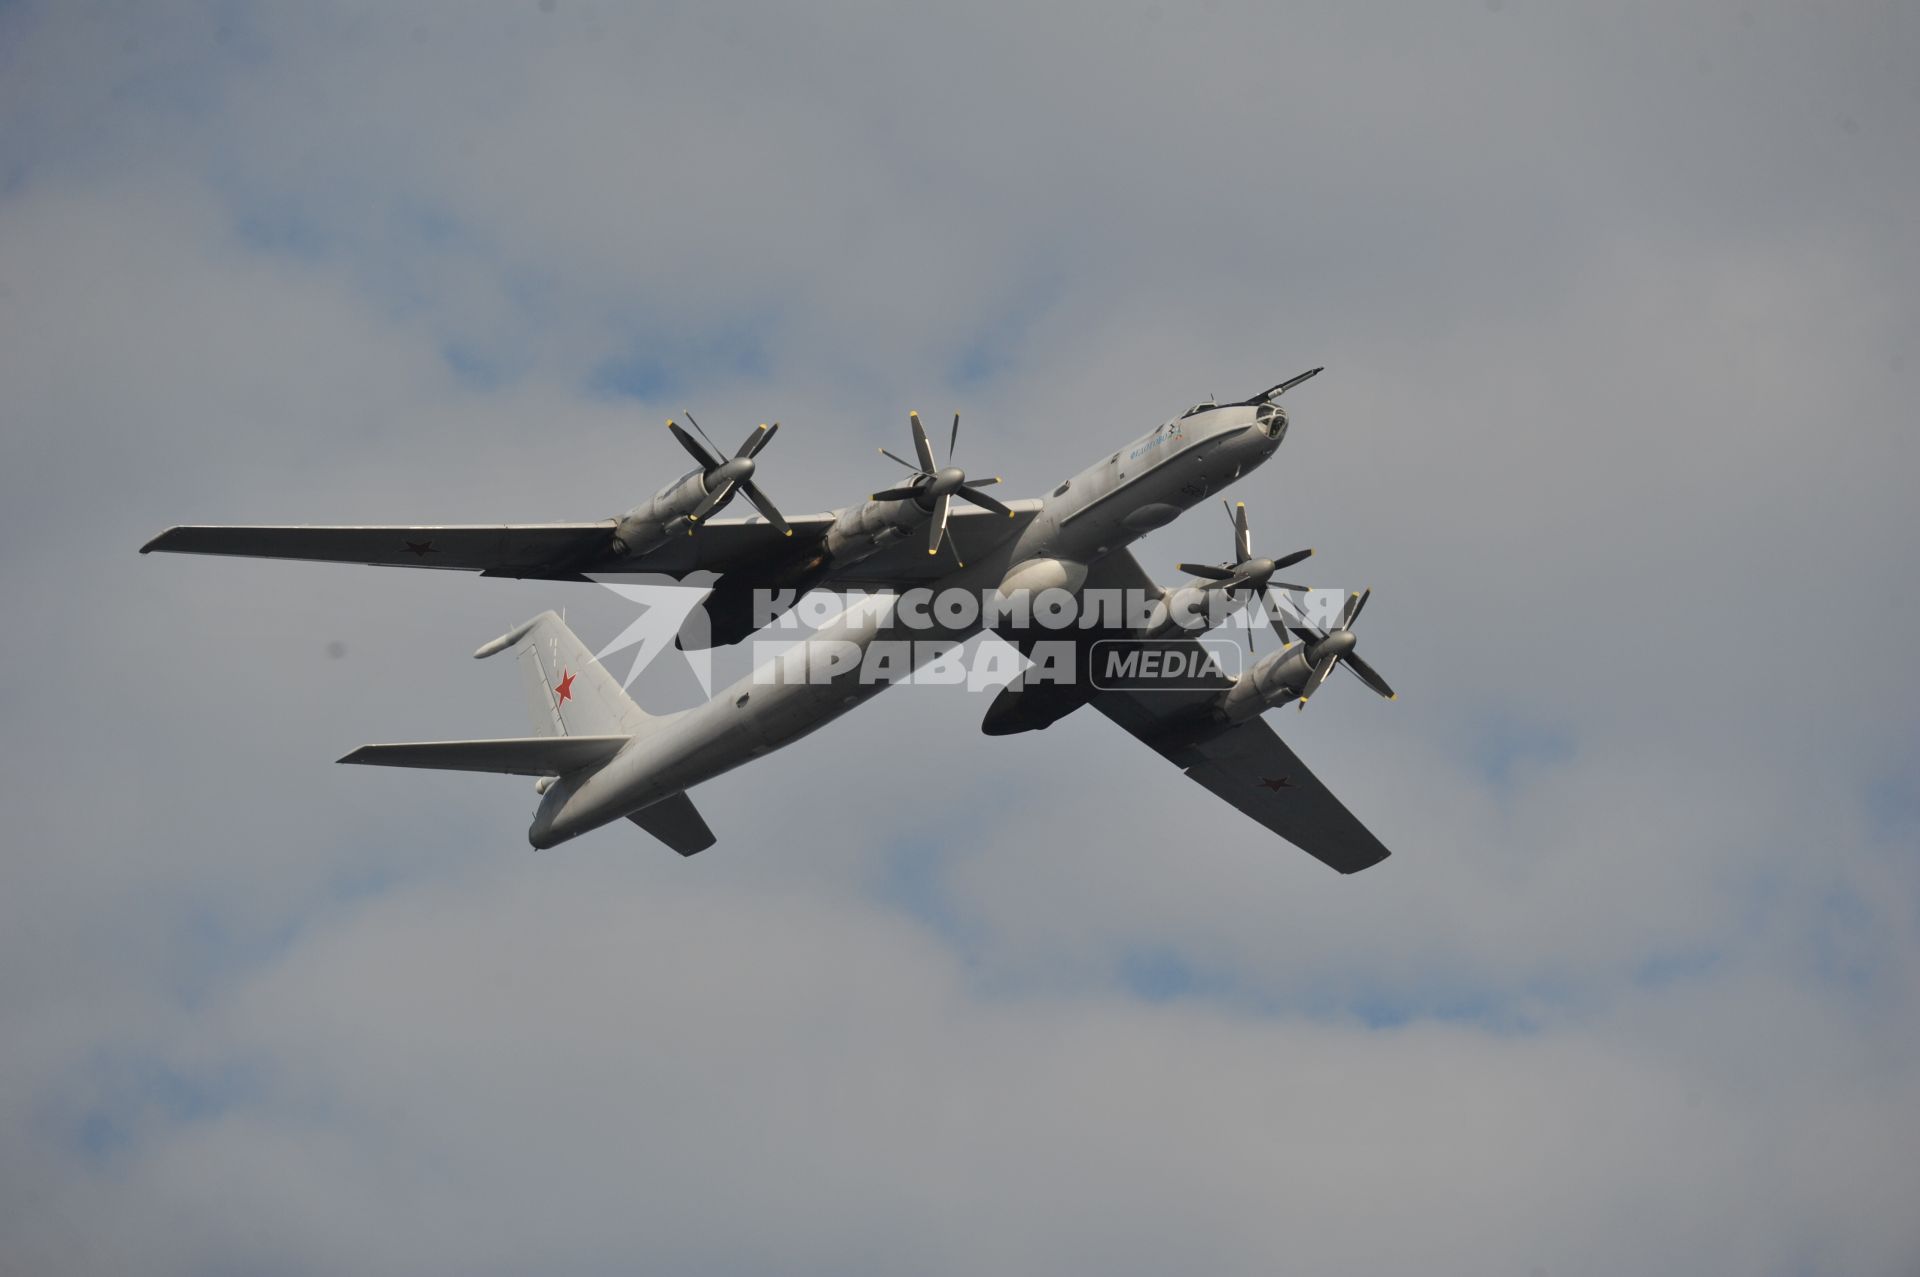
(1271, 421)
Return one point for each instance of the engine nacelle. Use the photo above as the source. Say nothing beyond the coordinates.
(647, 526)
(1185, 610)
(1274, 681)
(860, 533)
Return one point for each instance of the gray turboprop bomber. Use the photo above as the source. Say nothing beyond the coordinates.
(599, 757)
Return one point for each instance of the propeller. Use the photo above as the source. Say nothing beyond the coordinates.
(933, 488)
(723, 478)
(1336, 648)
(1247, 572)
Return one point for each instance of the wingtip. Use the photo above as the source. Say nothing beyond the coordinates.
(1354, 869)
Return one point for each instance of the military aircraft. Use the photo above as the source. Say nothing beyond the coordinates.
(599, 757)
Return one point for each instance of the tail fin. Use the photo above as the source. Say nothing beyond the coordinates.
(569, 693)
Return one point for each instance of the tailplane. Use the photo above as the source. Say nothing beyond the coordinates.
(514, 756)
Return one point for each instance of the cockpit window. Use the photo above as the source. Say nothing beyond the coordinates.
(1208, 406)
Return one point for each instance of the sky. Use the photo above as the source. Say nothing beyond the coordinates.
(1618, 307)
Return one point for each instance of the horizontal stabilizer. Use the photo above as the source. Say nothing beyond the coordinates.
(676, 822)
(513, 756)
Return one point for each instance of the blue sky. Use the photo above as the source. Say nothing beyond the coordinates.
(1618, 314)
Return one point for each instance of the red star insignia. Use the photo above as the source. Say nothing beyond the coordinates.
(565, 690)
(421, 549)
(1276, 783)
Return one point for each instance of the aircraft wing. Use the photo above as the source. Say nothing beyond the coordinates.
(573, 551)
(541, 550)
(1253, 769)
(1248, 765)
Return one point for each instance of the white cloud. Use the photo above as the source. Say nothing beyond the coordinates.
(1619, 323)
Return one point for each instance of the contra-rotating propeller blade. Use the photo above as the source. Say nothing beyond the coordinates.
(937, 525)
(1319, 676)
(694, 447)
(713, 501)
(1366, 674)
(765, 507)
(762, 436)
(971, 492)
(921, 448)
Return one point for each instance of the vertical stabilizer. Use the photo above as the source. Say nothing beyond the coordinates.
(568, 692)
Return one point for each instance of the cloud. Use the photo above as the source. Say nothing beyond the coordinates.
(1618, 319)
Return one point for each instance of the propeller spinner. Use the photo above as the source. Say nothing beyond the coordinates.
(934, 487)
